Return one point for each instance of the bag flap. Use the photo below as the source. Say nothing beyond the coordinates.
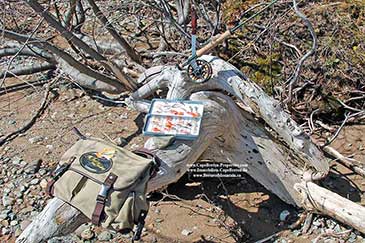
(96, 159)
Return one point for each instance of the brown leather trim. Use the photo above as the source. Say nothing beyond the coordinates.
(50, 187)
(101, 199)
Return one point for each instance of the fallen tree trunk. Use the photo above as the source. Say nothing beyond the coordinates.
(277, 153)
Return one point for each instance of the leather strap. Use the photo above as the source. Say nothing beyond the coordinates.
(102, 197)
(56, 174)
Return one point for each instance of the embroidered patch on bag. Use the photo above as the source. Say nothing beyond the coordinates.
(98, 162)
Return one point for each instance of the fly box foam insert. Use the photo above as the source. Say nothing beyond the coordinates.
(179, 118)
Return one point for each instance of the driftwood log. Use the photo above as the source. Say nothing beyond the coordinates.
(241, 125)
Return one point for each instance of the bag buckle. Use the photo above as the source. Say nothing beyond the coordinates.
(104, 191)
(58, 172)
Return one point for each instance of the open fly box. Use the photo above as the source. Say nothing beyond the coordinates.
(179, 118)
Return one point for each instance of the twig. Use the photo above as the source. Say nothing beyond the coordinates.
(347, 116)
(44, 104)
(16, 87)
(31, 69)
(307, 223)
(333, 234)
(129, 50)
(20, 50)
(350, 163)
(293, 78)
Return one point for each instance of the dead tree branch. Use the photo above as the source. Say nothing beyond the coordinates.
(129, 50)
(26, 70)
(114, 86)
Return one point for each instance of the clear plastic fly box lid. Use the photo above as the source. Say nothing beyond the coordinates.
(179, 118)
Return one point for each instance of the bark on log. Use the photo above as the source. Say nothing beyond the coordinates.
(333, 205)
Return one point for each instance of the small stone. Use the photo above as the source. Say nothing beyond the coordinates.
(23, 163)
(36, 139)
(18, 194)
(284, 215)
(49, 147)
(124, 116)
(42, 172)
(14, 223)
(6, 191)
(23, 188)
(121, 141)
(35, 181)
(158, 211)
(33, 167)
(105, 236)
(5, 231)
(296, 232)
(7, 201)
(11, 122)
(17, 232)
(3, 216)
(87, 234)
(16, 161)
(186, 232)
(43, 183)
(352, 237)
(158, 220)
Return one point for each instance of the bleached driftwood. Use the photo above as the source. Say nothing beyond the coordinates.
(278, 154)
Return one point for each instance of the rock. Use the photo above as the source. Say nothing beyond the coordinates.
(11, 122)
(87, 234)
(35, 139)
(17, 232)
(6, 191)
(5, 231)
(158, 220)
(12, 216)
(14, 223)
(124, 116)
(33, 167)
(158, 211)
(3, 216)
(35, 181)
(105, 236)
(49, 147)
(352, 238)
(284, 215)
(42, 172)
(43, 183)
(16, 160)
(7, 201)
(23, 188)
(121, 141)
(80, 229)
(186, 232)
(18, 194)
(296, 232)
